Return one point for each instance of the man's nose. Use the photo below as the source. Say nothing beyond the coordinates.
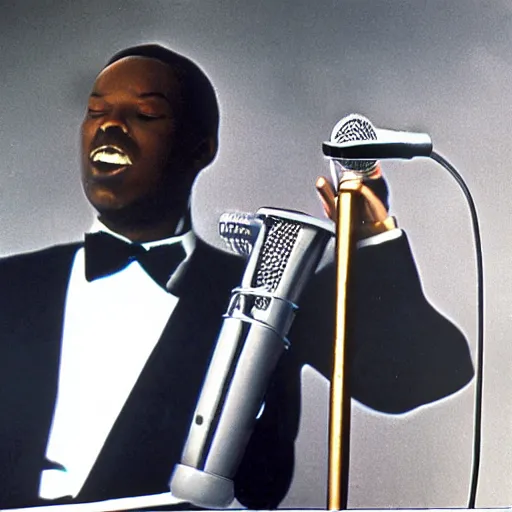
(114, 123)
(115, 118)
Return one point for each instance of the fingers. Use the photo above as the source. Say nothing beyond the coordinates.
(370, 207)
(327, 197)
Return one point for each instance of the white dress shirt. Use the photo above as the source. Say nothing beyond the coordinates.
(111, 326)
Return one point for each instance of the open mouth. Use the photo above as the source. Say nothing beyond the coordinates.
(109, 159)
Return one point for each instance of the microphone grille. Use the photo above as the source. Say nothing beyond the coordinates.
(350, 128)
(274, 256)
(239, 231)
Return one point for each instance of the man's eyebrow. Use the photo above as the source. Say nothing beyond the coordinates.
(142, 95)
(154, 95)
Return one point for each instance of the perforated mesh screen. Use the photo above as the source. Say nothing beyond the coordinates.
(355, 127)
(274, 256)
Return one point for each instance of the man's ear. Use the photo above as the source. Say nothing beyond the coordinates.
(204, 152)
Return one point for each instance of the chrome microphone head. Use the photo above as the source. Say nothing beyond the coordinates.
(353, 127)
(239, 231)
(279, 243)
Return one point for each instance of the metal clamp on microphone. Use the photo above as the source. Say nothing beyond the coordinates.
(285, 248)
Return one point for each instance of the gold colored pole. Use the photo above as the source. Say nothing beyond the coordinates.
(339, 421)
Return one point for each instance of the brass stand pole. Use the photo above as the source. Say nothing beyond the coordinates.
(339, 421)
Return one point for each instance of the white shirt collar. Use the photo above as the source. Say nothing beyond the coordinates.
(187, 239)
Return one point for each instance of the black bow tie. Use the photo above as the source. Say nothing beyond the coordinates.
(106, 254)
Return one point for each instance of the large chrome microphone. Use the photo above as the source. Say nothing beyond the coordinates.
(284, 249)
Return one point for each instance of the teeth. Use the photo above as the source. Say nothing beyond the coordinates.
(110, 155)
(111, 158)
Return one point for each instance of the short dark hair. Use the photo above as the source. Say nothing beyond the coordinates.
(200, 114)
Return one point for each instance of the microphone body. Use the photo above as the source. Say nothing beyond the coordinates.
(285, 253)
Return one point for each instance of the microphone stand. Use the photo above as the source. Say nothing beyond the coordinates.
(339, 421)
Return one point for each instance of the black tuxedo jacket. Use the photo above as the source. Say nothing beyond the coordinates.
(403, 354)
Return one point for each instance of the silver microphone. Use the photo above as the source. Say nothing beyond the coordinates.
(356, 145)
(285, 248)
(355, 127)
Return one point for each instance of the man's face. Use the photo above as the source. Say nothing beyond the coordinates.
(131, 152)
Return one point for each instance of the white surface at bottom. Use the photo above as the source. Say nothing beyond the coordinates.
(137, 502)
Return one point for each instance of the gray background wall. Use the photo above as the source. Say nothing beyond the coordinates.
(285, 72)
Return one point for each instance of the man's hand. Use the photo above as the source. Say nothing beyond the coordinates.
(371, 214)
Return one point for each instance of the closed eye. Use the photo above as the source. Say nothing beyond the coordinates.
(149, 117)
(95, 113)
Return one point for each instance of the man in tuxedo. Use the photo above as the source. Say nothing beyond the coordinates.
(105, 343)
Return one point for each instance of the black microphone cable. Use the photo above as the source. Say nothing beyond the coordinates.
(477, 428)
